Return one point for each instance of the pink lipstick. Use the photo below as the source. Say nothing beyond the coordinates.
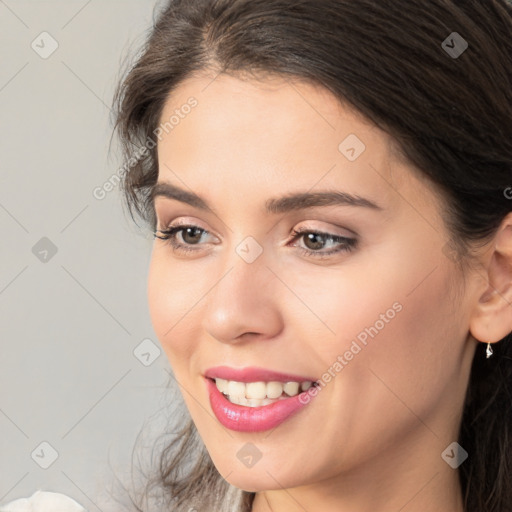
(255, 419)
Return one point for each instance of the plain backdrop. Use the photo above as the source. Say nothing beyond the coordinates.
(80, 367)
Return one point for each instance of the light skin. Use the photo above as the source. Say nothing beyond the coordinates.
(372, 438)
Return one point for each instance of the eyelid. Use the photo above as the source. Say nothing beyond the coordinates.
(182, 221)
(348, 244)
(330, 229)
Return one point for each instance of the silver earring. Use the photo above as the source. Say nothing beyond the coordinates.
(488, 352)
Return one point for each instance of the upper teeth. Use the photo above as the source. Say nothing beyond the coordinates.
(260, 390)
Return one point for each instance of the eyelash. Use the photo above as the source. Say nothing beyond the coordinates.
(349, 244)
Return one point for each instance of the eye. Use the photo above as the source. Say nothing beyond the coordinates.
(318, 238)
(191, 235)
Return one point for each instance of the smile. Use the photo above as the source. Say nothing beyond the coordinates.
(255, 399)
(257, 394)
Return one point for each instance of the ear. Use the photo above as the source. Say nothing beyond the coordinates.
(491, 319)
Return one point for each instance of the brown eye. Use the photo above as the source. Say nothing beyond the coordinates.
(191, 235)
(316, 240)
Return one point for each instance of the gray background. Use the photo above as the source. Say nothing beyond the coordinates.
(70, 321)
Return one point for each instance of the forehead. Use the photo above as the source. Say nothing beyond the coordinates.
(250, 136)
(279, 112)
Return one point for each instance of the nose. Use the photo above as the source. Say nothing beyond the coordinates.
(244, 303)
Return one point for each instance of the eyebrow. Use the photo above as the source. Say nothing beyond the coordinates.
(287, 203)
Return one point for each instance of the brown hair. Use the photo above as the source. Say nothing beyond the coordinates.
(450, 116)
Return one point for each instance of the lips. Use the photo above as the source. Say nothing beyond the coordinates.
(254, 418)
(254, 374)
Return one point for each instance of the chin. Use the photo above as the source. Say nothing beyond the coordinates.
(260, 477)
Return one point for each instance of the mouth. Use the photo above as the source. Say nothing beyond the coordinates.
(259, 393)
(254, 399)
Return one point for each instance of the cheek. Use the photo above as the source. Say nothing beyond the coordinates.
(172, 295)
(396, 320)
(407, 367)
(345, 305)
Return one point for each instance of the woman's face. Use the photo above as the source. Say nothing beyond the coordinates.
(382, 313)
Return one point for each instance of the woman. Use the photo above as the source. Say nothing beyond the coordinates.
(329, 184)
